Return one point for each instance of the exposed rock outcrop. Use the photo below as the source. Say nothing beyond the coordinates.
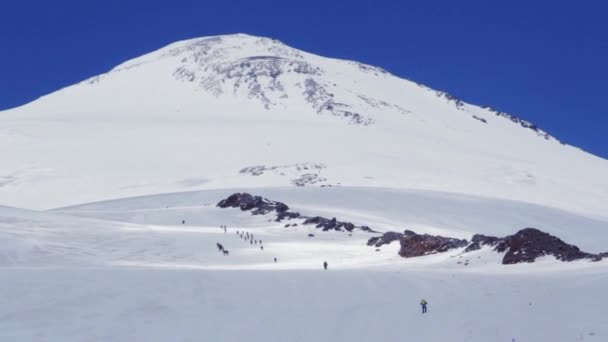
(529, 244)
(524, 246)
(262, 206)
(413, 245)
(385, 239)
(333, 224)
(258, 206)
(480, 240)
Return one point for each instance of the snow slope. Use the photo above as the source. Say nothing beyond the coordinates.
(243, 111)
(128, 270)
(126, 156)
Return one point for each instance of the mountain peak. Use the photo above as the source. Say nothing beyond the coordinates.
(260, 113)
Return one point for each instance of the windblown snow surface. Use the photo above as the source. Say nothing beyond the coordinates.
(109, 168)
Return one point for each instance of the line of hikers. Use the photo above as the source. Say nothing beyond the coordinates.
(249, 237)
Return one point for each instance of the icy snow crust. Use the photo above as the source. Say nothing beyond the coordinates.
(185, 126)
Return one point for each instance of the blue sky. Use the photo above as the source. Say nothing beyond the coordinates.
(545, 61)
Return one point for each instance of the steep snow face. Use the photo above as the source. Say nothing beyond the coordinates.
(243, 111)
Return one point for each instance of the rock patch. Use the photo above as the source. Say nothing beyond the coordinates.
(525, 246)
(413, 245)
(258, 205)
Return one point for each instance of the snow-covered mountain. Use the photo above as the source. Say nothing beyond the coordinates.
(244, 111)
(134, 163)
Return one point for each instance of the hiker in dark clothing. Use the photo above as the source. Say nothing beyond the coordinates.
(275, 260)
(423, 303)
(183, 221)
(325, 264)
(220, 247)
(262, 247)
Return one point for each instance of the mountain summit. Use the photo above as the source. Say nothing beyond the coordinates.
(239, 111)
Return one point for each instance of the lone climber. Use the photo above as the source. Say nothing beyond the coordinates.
(325, 264)
(423, 303)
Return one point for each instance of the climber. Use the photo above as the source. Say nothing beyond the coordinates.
(423, 303)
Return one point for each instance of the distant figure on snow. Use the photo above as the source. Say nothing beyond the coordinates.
(183, 221)
(262, 247)
(226, 252)
(325, 264)
(275, 260)
(423, 303)
(220, 247)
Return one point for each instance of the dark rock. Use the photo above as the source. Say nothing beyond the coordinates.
(480, 119)
(262, 206)
(409, 233)
(528, 244)
(366, 229)
(480, 240)
(258, 206)
(333, 224)
(413, 245)
(287, 215)
(385, 239)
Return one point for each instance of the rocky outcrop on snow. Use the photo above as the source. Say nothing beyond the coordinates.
(526, 245)
(303, 174)
(262, 206)
(523, 123)
(333, 224)
(258, 206)
(529, 244)
(385, 239)
(264, 70)
(480, 240)
(413, 245)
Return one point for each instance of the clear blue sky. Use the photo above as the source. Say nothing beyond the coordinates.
(545, 61)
